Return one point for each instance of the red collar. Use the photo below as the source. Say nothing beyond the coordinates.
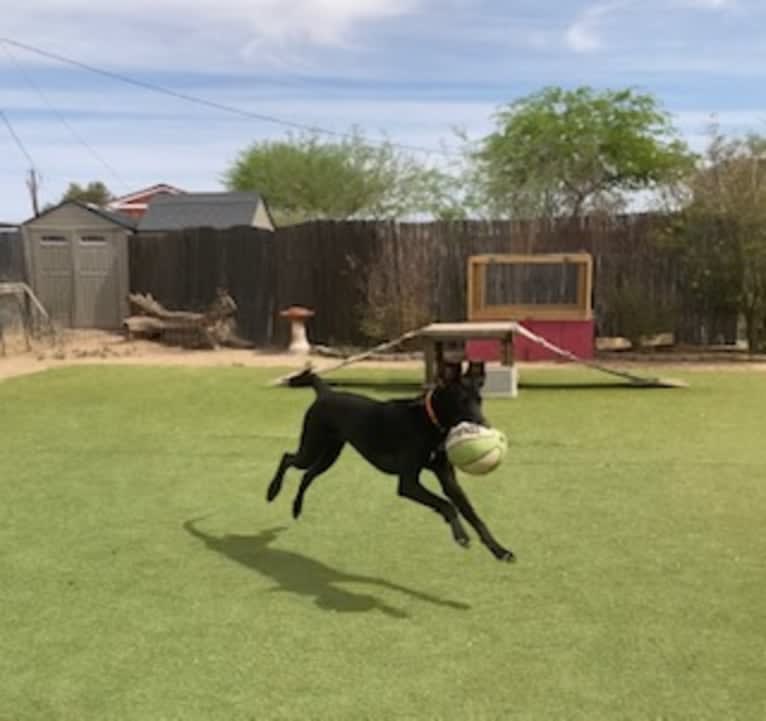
(430, 410)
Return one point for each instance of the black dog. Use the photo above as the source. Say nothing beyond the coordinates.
(398, 437)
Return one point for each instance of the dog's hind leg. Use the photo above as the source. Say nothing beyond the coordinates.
(329, 457)
(409, 487)
(288, 459)
(310, 451)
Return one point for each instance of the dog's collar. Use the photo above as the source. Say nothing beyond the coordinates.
(430, 412)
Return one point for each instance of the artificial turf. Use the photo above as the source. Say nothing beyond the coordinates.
(638, 518)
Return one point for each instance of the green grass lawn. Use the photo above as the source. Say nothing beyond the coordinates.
(639, 520)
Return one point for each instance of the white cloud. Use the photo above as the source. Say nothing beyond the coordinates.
(589, 32)
(584, 35)
(194, 33)
(708, 4)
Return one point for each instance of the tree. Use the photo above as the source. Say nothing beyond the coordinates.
(304, 177)
(565, 152)
(722, 230)
(95, 192)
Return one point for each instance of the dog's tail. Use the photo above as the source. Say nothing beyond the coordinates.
(308, 378)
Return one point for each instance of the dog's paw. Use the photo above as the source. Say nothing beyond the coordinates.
(503, 554)
(273, 492)
(297, 509)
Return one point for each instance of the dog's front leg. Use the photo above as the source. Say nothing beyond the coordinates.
(446, 475)
(409, 487)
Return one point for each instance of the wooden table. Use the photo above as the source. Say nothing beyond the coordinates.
(436, 335)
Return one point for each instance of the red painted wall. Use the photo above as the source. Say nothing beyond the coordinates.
(575, 336)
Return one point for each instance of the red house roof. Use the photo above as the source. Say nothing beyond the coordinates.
(135, 204)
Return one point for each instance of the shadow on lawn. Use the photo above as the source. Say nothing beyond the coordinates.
(295, 573)
(584, 386)
(411, 388)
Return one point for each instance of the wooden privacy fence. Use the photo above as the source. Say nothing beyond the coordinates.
(182, 270)
(373, 280)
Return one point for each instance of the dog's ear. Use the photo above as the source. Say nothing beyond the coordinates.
(476, 373)
(449, 372)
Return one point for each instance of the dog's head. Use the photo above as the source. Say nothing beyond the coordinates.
(457, 396)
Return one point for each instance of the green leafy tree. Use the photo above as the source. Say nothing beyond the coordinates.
(95, 192)
(566, 152)
(722, 230)
(305, 177)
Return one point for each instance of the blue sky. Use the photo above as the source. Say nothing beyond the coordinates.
(411, 69)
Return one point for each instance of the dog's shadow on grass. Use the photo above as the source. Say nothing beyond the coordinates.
(304, 576)
(406, 387)
(589, 386)
(412, 388)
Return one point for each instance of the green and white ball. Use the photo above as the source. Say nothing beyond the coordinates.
(474, 449)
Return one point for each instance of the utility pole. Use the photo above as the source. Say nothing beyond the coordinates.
(33, 183)
(33, 180)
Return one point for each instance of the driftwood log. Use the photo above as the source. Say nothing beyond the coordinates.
(211, 329)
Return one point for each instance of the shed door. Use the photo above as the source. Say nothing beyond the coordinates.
(97, 272)
(53, 270)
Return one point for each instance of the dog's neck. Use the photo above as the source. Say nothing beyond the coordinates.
(431, 413)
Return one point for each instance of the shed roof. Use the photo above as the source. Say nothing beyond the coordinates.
(110, 215)
(192, 210)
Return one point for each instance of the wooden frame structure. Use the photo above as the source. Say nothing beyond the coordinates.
(438, 335)
(25, 300)
(480, 310)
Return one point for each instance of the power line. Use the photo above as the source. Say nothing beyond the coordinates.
(63, 120)
(153, 87)
(17, 139)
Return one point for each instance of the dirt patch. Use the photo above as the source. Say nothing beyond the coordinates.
(102, 348)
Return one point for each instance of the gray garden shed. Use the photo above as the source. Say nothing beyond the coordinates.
(77, 264)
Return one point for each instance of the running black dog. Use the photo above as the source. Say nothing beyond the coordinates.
(398, 437)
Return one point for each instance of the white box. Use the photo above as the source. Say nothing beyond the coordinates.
(501, 382)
